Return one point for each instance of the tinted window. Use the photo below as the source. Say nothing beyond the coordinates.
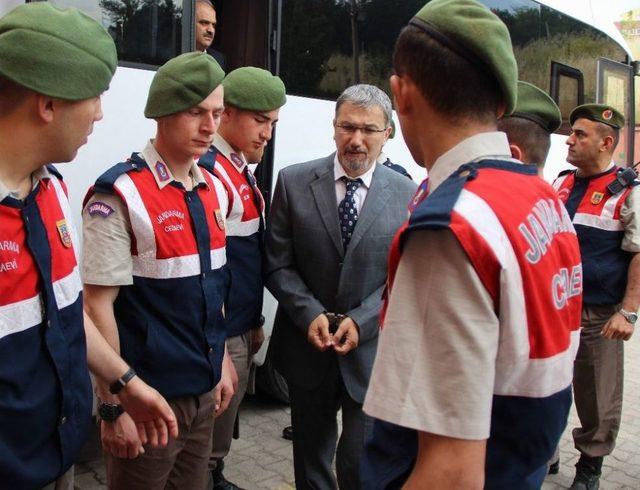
(148, 32)
(317, 55)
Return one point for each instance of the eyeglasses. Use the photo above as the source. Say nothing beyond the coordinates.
(351, 129)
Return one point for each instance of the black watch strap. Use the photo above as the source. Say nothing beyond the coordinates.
(121, 382)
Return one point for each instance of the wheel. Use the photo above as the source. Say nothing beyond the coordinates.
(271, 382)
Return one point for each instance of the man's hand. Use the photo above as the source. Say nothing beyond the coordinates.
(617, 328)
(227, 385)
(257, 339)
(152, 414)
(318, 333)
(346, 337)
(121, 438)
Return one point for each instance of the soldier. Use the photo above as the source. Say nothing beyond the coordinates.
(530, 126)
(603, 202)
(54, 65)
(483, 311)
(155, 277)
(253, 98)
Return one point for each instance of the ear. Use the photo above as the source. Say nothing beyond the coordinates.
(516, 152)
(45, 108)
(400, 88)
(501, 109)
(607, 144)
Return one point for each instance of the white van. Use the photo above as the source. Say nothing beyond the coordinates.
(318, 48)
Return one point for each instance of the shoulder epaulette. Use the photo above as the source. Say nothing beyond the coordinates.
(565, 172)
(106, 181)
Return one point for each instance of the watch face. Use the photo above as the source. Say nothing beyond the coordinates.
(108, 412)
(632, 318)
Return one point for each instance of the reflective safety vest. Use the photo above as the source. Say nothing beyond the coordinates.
(245, 230)
(170, 319)
(520, 241)
(595, 213)
(45, 390)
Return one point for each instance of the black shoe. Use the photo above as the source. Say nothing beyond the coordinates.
(219, 481)
(287, 433)
(554, 468)
(588, 471)
(585, 481)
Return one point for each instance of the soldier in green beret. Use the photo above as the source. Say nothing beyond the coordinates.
(603, 202)
(155, 274)
(253, 98)
(54, 66)
(471, 385)
(531, 124)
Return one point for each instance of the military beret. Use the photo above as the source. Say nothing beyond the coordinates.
(475, 33)
(181, 83)
(535, 105)
(599, 113)
(393, 130)
(254, 89)
(60, 53)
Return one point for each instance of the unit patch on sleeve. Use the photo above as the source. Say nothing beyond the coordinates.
(65, 234)
(99, 208)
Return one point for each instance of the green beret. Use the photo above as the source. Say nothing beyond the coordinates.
(535, 105)
(254, 89)
(601, 113)
(60, 53)
(393, 130)
(181, 83)
(475, 33)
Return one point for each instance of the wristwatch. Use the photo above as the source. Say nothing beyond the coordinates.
(109, 412)
(121, 382)
(631, 317)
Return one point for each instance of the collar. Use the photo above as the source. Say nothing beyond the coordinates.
(160, 170)
(339, 172)
(36, 177)
(225, 148)
(609, 168)
(480, 146)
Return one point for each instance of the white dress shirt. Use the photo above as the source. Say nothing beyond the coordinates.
(341, 187)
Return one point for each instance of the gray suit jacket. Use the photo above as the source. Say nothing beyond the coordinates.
(308, 271)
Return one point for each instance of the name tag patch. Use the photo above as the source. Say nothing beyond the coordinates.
(99, 208)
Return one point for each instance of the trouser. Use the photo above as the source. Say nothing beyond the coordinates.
(65, 482)
(597, 384)
(239, 349)
(182, 463)
(315, 433)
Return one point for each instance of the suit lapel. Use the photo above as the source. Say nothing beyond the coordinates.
(324, 193)
(377, 197)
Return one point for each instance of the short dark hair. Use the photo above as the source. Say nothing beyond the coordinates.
(530, 137)
(605, 130)
(453, 86)
(12, 95)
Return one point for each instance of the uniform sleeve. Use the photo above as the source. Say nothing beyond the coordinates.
(106, 234)
(435, 366)
(630, 214)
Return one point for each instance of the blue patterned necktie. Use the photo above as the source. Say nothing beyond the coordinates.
(347, 211)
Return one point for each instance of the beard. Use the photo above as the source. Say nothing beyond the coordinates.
(355, 162)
